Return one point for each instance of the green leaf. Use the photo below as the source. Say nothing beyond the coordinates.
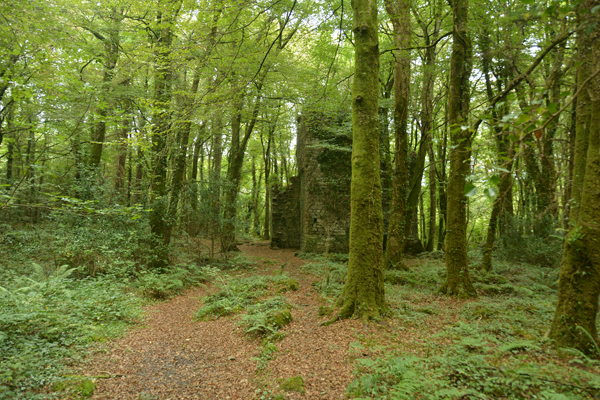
(490, 193)
(595, 9)
(523, 118)
(470, 190)
(552, 107)
(495, 180)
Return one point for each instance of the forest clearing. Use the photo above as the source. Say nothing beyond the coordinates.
(287, 199)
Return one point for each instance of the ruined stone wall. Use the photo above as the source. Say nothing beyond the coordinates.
(322, 188)
(285, 217)
(325, 172)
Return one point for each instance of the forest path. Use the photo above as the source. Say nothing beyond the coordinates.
(174, 357)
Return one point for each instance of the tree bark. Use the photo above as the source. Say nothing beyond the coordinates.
(432, 200)
(363, 295)
(400, 15)
(574, 323)
(458, 281)
(267, 163)
(168, 10)
(111, 56)
(505, 152)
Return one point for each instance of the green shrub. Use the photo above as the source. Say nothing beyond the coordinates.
(45, 320)
(461, 373)
(236, 294)
(518, 244)
(267, 317)
(428, 276)
(172, 280)
(332, 274)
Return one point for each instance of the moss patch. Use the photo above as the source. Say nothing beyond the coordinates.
(280, 318)
(287, 285)
(293, 384)
(80, 386)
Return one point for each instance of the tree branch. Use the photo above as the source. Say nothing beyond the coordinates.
(500, 96)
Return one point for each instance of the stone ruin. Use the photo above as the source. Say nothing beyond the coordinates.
(313, 212)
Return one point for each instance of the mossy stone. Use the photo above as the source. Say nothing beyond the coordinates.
(280, 318)
(288, 285)
(83, 386)
(293, 384)
(325, 310)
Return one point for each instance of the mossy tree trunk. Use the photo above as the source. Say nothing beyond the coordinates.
(582, 126)
(363, 295)
(161, 116)
(574, 323)
(442, 183)
(112, 48)
(432, 201)
(399, 13)
(458, 281)
(266, 150)
(505, 148)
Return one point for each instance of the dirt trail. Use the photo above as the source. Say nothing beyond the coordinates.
(173, 357)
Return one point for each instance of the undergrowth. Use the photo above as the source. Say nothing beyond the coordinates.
(46, 320)
(267, 310)
(73, 279)
(492, 347)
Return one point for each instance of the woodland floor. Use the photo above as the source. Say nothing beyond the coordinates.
(173, 357)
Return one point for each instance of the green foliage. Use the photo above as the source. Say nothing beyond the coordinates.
(518, 247)
(427, 276)
(465, 371)
(267, 317)
(50, 318)
(111, 243)
(77, 386)
(493, 349)
(332, 271)
(237, 294)
(173, 280)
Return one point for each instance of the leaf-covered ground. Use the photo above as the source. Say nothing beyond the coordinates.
(430, 346)
(174, 357)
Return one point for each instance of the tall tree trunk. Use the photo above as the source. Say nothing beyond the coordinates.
(236, 159)
(181, 153)
(441, 174)
(168, 10)
(426, 116)
(432, 200)
(400, 15)
(111, 56)
(582, 125)
(267, 162)
(458, 281)
(30, 160)
(571, 140)
(385, 155)
(255, 198)
(122, 157)
(505, 152)
(363, 295)
(10, 145)
(574, 323)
